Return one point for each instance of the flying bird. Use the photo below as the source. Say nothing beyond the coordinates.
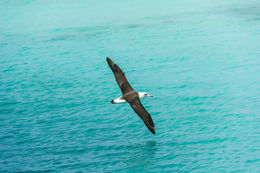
(131, 96)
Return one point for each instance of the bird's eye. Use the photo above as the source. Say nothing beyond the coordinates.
(145, 94)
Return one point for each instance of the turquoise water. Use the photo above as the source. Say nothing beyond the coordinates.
(200, 60)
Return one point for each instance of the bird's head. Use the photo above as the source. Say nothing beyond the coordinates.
(144, 94)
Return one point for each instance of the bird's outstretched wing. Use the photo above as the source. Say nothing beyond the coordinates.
(143, 114)
(120, 77)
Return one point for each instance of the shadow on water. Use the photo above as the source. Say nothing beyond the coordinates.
(140, 155)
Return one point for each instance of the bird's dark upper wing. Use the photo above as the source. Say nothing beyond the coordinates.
(120, 77)
(143, 114)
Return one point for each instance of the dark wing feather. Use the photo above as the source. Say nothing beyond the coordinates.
(120, 77)
(143, 114)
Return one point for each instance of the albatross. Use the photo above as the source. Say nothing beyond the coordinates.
(131, 96)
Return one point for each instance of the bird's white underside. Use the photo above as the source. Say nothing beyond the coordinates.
(121, 100)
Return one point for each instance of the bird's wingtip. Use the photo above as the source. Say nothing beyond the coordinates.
(152, 129)
(109, 61)
(153, 132)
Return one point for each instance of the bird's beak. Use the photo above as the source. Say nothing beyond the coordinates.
(148, 95)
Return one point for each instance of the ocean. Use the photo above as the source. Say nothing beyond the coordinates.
(199, 59)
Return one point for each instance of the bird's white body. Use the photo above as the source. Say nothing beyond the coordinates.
(121, 100)
(118, 100)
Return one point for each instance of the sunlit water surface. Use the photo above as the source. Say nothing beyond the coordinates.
(200, 60)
